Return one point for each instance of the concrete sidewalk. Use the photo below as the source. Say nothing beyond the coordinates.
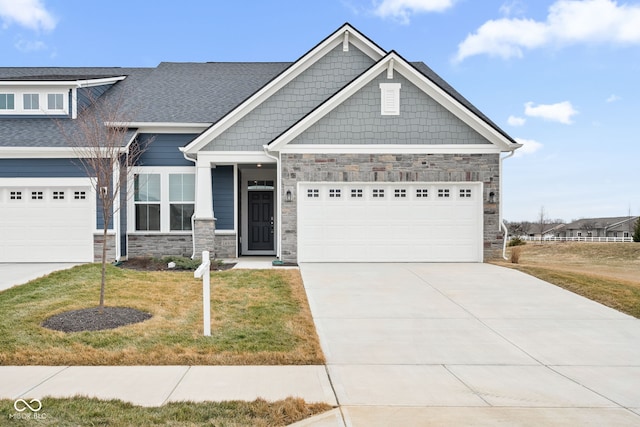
(157, 385)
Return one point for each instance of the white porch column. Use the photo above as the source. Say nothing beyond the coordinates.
(204, 194)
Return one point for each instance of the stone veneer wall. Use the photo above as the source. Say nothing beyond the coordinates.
(204, 230)
(225, 245)
(97, 247)
(391, 168)
(159, 245)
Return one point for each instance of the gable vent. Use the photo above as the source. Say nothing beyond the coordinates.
(390, 99)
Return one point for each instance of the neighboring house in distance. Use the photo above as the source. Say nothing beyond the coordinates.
(550, 230)
(350, 153)
(599, 227)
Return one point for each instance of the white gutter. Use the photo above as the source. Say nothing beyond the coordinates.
(279, 193)
(500, 219)
(193, 217)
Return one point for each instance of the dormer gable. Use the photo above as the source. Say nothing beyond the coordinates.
(50, 96)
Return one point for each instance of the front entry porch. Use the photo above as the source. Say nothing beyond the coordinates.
(257, 210)
(236, 210)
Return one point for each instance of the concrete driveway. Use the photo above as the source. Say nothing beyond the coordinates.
(12, 274)
(470, 344)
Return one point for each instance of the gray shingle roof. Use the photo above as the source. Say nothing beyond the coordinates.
(199, 92)
(170, 92)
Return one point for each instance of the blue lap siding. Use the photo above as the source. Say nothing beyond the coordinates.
(223, 200)
(164, 149)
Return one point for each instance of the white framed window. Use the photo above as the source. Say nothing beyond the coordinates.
(399, 193)
(7, 101)
(390, 99)
(422, 193)
(31, 101)
(378, 193)
(465, 193)
(163, 199)
(335, 192)
(15, 195)
(55, 101)
(443, 192)
(37, 195)
(313, 193)
(146, 195)
(182, 191)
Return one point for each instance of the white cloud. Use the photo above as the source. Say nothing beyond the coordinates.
(29, 46)
(568, 22)
(613, 98)
(403, 9)
(561, 112)
(514, 7)
(516, 121)
(31, 14)
(529, 146)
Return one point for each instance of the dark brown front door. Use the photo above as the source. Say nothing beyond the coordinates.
(261, 220)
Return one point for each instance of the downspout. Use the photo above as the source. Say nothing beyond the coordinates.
(501, 220)
(193, 227)
(279, 212)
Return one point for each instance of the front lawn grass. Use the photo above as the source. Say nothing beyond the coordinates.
(82, 411)
(608, 273)
(258, 317)
(618, 294)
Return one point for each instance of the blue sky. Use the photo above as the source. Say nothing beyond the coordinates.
(561, 76)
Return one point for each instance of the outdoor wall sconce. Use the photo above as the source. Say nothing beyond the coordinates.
(492, 197)
(287, 196)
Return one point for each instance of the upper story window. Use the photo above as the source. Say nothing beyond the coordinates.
(7, 101)
(31, 101)
(55, 101)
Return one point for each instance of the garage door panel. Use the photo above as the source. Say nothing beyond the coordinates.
(390, 222)
(52, 223)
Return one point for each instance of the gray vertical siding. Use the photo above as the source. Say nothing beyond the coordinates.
(223, 198)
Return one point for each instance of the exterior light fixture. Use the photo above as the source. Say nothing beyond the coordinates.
(492, 197)
(287, 196)
(259, 165)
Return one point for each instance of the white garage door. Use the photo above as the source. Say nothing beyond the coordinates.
(390, 222)
(46, 220)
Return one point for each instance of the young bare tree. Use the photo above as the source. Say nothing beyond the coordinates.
(542, 221)
(103, 144)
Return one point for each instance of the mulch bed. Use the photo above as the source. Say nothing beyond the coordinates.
(91, 319)
(154, 264)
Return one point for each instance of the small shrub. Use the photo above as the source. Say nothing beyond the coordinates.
(183, 263)
(516, 241)
(515, 254)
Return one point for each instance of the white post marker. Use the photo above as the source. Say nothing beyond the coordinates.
(203, 271)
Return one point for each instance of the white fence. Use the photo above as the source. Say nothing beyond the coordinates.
(575, 239)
